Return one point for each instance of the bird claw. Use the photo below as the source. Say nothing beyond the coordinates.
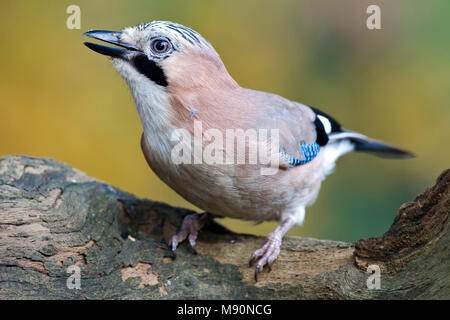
(173, 243)
(193, 243)
(258, 270)
(189, 230)
(267, 254)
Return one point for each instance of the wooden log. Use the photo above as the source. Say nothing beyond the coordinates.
(54, 217)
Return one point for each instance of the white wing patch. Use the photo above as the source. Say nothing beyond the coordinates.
(326, 123)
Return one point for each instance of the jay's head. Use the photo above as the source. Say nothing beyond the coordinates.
(161, 56)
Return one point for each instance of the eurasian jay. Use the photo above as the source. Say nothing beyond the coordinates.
(179, 83)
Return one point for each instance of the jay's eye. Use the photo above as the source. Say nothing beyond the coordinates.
(160, 46)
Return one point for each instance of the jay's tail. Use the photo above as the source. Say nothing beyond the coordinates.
(360, 142)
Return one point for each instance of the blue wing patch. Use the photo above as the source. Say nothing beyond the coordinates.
(309, 150)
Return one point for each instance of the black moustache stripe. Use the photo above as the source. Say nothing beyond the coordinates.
(150, 69)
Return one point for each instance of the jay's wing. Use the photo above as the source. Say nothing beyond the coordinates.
(303, 130)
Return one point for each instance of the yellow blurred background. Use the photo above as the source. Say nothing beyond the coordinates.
(60, 100)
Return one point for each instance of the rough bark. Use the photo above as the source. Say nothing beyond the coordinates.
(53, 216)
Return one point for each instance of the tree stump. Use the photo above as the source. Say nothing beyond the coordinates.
(54, 217)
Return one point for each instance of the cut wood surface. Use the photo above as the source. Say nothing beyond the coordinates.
(53, 216)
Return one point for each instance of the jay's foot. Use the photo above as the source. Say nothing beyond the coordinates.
(189, 230)
(267, 254)
(270, 250)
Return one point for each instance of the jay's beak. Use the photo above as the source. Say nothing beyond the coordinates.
(109, 37)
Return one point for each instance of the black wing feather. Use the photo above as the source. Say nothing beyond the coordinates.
(322, 135)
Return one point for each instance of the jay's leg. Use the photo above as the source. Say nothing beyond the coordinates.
(189, 229)
(270, 250)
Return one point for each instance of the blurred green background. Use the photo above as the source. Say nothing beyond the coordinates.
(61, 100)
